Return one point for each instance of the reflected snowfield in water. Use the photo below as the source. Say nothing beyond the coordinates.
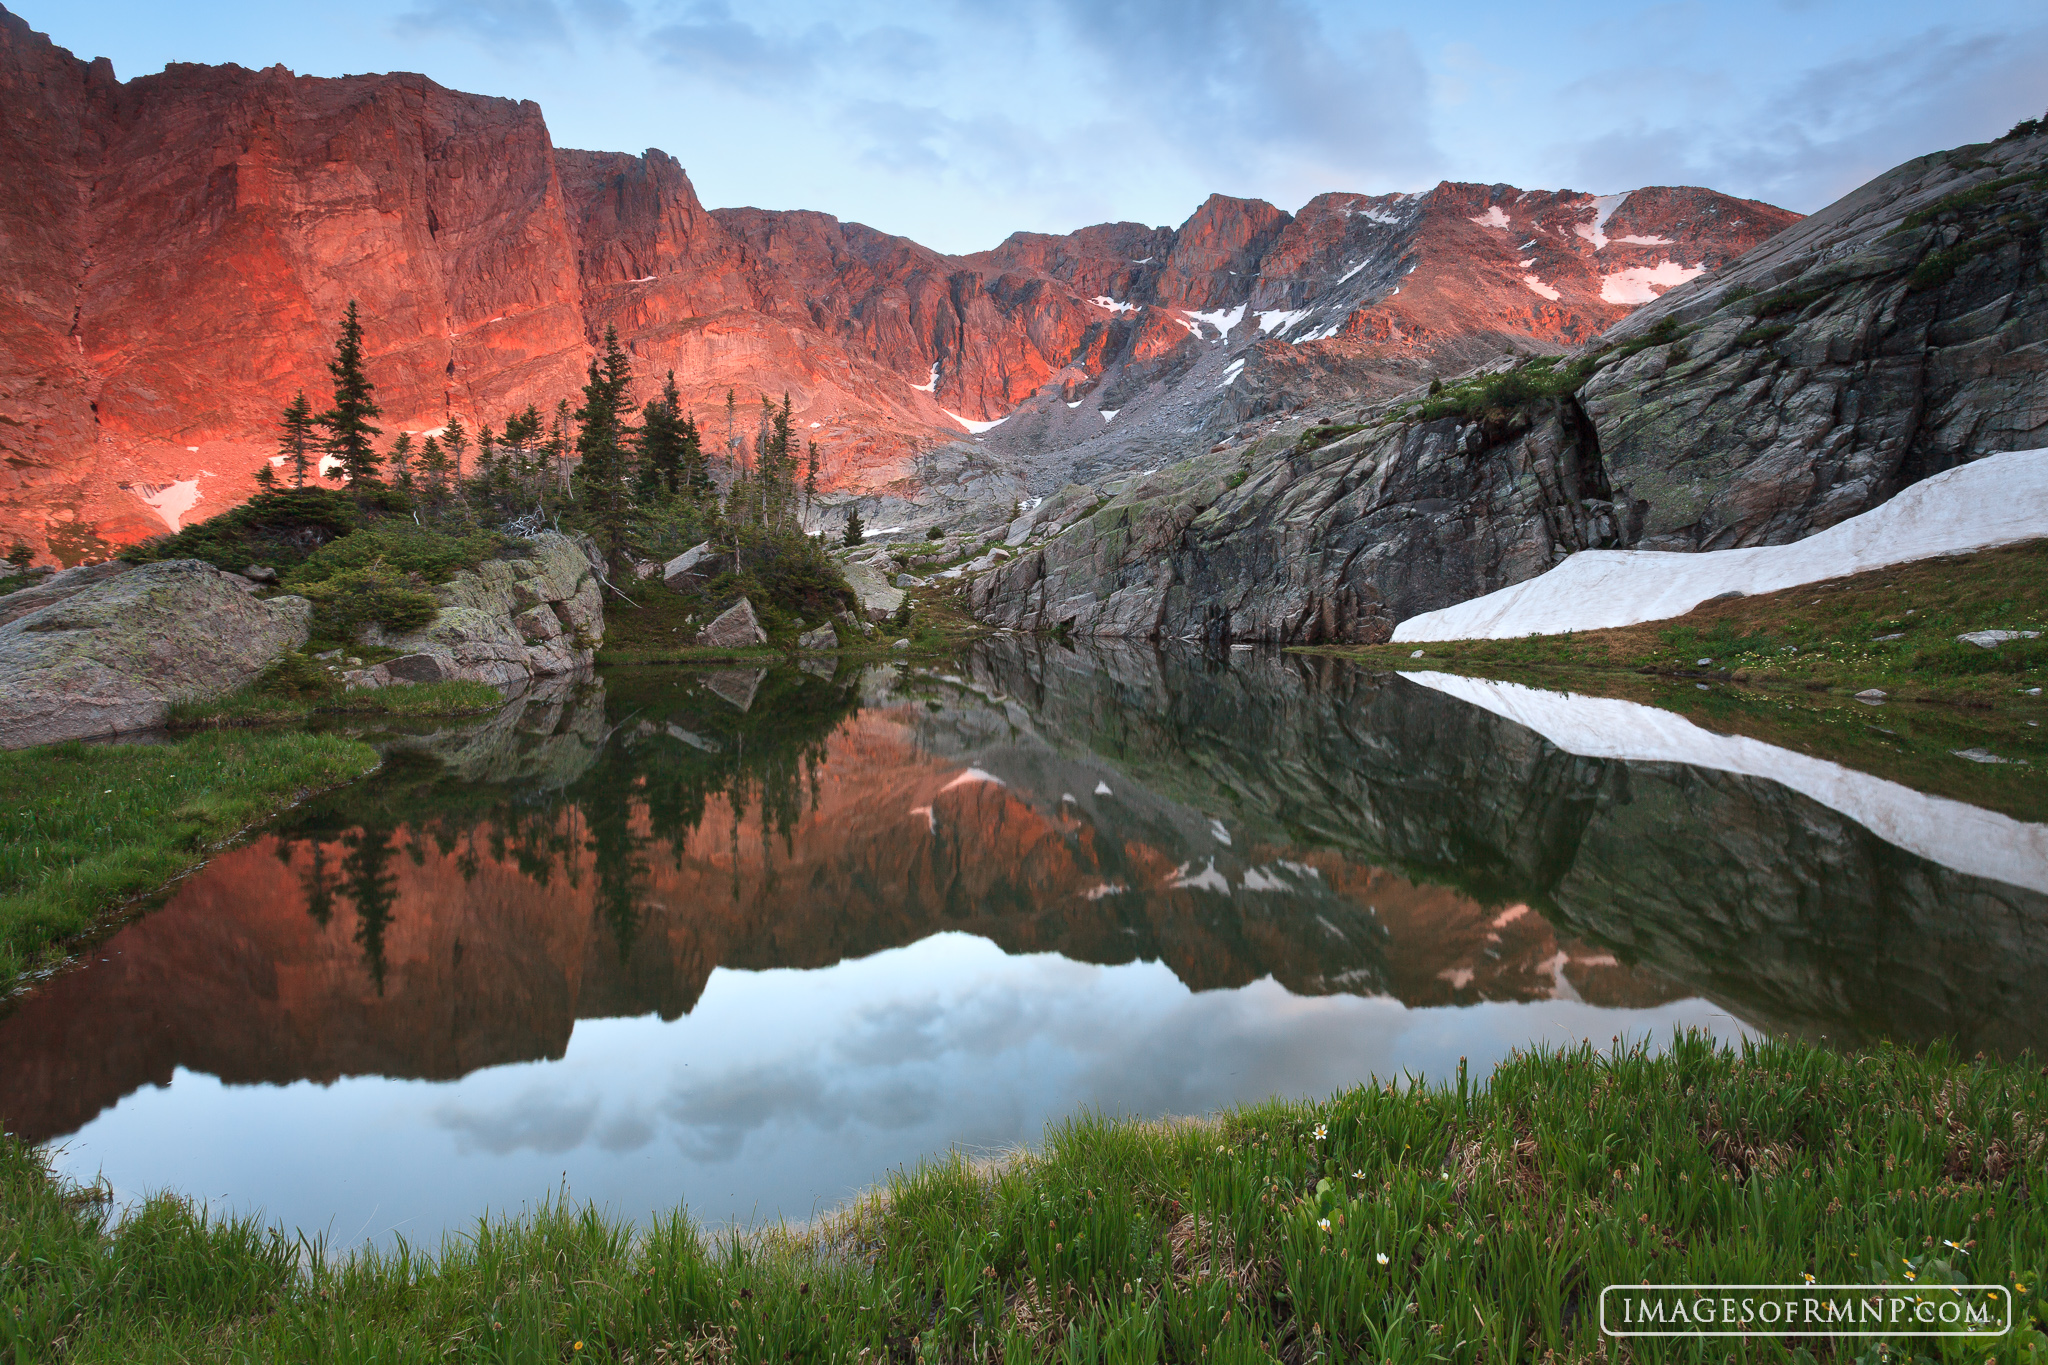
(785, 1092)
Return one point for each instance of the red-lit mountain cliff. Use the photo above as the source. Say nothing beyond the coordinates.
(175, 250)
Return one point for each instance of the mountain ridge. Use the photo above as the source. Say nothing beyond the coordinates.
(178, 246)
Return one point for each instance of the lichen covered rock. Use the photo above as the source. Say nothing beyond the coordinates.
(116, 654)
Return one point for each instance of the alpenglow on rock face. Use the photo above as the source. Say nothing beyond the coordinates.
(504, 622)
(1900, 331)
(117, 654)
(232, 214)
(1331, 545)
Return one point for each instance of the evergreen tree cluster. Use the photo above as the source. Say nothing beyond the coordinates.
(634, 475)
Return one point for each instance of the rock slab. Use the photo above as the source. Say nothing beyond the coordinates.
(116, 654)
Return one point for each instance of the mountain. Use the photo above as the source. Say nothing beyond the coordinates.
(1895, 334)
(175, 251)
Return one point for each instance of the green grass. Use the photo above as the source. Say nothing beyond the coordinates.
(85, 827)
(256, 706)
(1457, 1223)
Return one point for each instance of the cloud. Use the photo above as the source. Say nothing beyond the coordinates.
(1821, 133)
(492, 23)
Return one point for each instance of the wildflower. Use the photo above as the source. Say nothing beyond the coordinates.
(1911, 1276)
(1358, 1175)
(1381, 1257)
(2020, 1288)
(579, 1345)
(1323, 1223)
(1809, 1278)
(1321, 1132)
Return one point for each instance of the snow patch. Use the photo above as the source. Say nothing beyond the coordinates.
(1222, 319)
(1258, 879)
(1459, 977)
(976, 427)
(277, 462)
(172, 500)
(1280, 321)
(931, 381)
(1634, 240)
(1109, 413)
(814, 426)
(1105, 301)
(1537, 286)
(968, 778)
(1220, 834)
(1645, 282)
(1997, 500)
(1231, 372)
(1375, 215)
(1208, 879)
(1604, 206)
(1354, 270)
(1492, 218)
(1102, 789)
(193, 449)
(1075, 404)
(931, 821)
(1096, 893)
(1978, 842)
(330, 467)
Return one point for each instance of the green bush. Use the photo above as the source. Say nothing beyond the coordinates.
(1953, 658)
(431, 556)
(345, 602)
(276, 529)
(1763, 334)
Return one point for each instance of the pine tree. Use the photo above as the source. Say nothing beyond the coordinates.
(455, 440)
(601, 443)
(855, 532)
(20, 555)
(298, 442)
(266, 478)
(401, 461)
(349, 432)
(661, 444)
(696, 469)
(434, 472)
(811, 482)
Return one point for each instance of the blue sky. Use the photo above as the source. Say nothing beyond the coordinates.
(959, 121)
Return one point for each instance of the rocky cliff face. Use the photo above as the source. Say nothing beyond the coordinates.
(1899, 332)
(1326, 544)
(178, 247)
(1893, 335)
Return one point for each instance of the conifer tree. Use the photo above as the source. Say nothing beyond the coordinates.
(434, 472)
(855, 532)
(601, 443)
(455, 440)
(401, 461)
(298, 442)
(266, 478)
(661, 444)
(349, 432)
(811, 482)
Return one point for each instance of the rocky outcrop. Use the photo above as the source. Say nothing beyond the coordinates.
(116, 654)
(1898, 332)
(1336, 543)
(504, 622)
(179, 247)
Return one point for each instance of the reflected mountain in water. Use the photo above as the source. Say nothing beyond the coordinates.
(1785, 911)
(599, 851)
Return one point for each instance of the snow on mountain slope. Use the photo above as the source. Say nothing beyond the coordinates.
(1993, 501)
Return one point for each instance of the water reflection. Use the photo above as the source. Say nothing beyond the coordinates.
(748, 938)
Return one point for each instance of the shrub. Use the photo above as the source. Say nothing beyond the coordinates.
(345, 602)
(431, 556)
(277, 529)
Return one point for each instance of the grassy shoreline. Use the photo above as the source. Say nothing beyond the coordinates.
(257, 706)
(84, 828)
(1457, 1223)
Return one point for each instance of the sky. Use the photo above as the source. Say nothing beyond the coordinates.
(957, 122)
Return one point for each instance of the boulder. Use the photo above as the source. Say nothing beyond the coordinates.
(505, 622)
(735, 628)
(824, 637)
(57, 587)
(115, 654)
(260, 573)
(695, 567)
(878, 601)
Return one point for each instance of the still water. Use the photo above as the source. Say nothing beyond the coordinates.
(746, 941)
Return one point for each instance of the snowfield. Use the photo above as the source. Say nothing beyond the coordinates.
(1981, 843)
(1998, 500)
